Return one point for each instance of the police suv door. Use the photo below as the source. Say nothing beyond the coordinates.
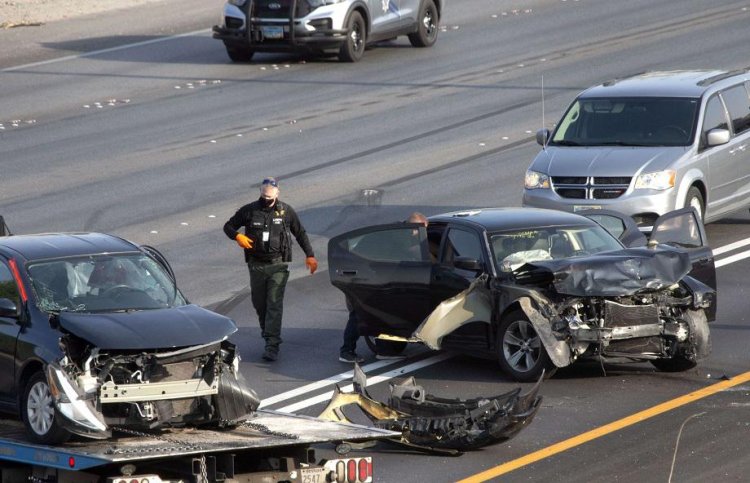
(385, 272)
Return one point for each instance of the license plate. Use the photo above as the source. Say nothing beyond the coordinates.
(272, 32)
(313, 475)
(586, 207)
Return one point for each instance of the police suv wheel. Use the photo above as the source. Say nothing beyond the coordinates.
(238, 53)
(427, 26)
(354, 46)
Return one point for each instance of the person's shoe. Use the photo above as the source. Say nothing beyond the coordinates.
(385, 357)
(270, 356)
(351, 357)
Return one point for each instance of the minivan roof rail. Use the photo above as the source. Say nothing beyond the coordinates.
(719, 77)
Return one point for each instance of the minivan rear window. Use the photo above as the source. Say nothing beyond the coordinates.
(622, 121)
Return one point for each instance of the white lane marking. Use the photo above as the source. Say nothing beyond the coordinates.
(732, 246)
(322, 383)
(370, 381)
(103, 51)
(732, 259)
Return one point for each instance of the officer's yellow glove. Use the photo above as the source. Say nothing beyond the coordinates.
(244, 241)
(312, 264)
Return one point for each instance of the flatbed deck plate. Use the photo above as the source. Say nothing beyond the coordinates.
(284, 430)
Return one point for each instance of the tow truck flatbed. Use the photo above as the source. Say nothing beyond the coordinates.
(267, 432)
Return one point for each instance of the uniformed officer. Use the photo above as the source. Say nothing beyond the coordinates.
(269, 224)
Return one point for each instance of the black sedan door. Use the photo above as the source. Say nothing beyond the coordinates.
(9, 330)
(385, 272)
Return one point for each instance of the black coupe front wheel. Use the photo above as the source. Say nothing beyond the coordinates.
(520, 350)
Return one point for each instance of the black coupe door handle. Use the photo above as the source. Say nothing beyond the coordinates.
(348, 272)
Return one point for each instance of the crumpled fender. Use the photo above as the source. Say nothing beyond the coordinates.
(558, 350)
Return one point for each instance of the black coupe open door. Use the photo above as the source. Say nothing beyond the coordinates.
(385, 272)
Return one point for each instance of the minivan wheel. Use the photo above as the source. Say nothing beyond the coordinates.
(427, 28)
(354, 46)
(694, 198)
(39, 414)
(521, 353)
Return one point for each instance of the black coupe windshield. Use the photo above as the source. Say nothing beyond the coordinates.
(513, 249)
(103, 283)
(640, 121)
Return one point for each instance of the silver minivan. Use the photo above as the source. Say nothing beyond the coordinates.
(649, 144)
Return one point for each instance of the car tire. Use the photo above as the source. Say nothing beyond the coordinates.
(674, 364)
(353, 48)
(239, 54)
(427, 26)
(521, 353)
(39, 414)
(694, 198)
(386, 348)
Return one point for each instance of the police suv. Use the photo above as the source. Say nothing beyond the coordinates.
(344, 27)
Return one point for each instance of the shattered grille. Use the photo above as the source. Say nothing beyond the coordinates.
(619, 315)
(592, 188)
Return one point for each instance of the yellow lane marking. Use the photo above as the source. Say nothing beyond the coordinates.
(606, 429)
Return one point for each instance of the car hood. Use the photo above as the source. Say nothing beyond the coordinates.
(184, 326)
(605, 161)
(619, 273)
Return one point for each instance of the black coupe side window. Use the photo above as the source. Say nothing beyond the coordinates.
(8, 288)
(397, 245)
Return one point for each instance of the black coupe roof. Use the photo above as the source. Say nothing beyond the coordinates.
(55, 245)
(499, 219)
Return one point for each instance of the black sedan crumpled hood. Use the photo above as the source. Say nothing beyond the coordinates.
(620, 273)
(184, 326)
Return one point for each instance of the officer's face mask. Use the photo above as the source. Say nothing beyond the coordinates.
(267, 202)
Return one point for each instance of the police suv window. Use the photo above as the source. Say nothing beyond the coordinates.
(462, 243)
(738, 102)
(715, 118)
(8, 288)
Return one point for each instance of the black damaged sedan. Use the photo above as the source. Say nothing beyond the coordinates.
(534, 289)
(96, 337)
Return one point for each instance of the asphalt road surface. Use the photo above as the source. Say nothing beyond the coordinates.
(136, 123)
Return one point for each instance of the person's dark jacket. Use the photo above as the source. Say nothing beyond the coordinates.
(280, 221)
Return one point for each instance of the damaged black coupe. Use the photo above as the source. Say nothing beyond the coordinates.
(534, 289)
(97, 337)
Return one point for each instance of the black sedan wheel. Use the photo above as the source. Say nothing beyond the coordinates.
(39, 414)
(354, 47)
(520, 350)
(427, 29)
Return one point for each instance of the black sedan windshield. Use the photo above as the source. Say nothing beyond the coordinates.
(513, 249)
(650, 121)
(112, 282)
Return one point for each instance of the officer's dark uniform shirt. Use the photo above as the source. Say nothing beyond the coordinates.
(278, 221)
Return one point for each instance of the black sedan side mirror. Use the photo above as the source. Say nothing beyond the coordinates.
(467, 263)
(8, 308)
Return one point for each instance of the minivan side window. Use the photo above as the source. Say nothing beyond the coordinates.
(738, 103)
(715, 118)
